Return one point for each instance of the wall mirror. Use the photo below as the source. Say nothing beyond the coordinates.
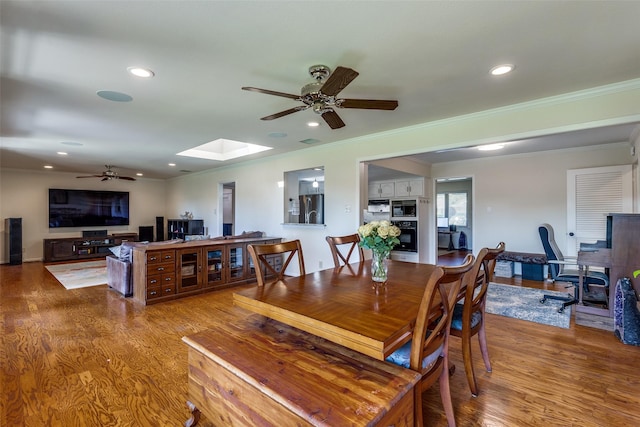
(304, 196)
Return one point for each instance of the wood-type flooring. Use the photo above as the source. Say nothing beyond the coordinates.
(89, 357)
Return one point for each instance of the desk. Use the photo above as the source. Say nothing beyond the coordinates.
(586, 259)
(450, 233)
(341, 305)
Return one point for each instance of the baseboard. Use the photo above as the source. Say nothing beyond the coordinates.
(594, 321)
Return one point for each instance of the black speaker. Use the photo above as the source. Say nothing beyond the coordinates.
(94, 233)
(13, 228)
(145, 233)
(160, 228)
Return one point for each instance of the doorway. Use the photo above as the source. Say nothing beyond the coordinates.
(454, 219)
(228, 208)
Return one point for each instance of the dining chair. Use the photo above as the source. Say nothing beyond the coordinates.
(263, 259)
(427, 352)
(468, 316)
(349, 244)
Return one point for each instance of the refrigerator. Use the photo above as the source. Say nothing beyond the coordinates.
(311, 209)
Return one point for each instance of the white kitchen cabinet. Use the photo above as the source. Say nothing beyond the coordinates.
(382, 189)
(409, 188)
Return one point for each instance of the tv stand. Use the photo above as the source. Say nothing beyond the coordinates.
(78, 248)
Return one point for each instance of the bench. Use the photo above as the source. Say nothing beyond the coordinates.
(532, 264)
(258, 371)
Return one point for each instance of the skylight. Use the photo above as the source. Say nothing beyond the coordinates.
(223, 149)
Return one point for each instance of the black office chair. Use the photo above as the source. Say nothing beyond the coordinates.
(559, 273)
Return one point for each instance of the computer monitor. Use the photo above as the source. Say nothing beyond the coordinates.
(443, 222)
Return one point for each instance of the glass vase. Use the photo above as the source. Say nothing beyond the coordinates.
(379, 266)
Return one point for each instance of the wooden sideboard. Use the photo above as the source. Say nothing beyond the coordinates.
(76, 248)
(166, 271)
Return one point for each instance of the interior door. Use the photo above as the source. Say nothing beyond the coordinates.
(228, 202)
(592, 194)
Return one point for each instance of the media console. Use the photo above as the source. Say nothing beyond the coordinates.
(76, 248)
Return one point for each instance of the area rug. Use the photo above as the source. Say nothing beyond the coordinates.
(80, 274)
(524, 303)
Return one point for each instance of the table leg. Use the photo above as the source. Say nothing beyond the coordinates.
(451, 246)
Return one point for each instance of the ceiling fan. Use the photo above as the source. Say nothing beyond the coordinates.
(108, 174)
(321, 95)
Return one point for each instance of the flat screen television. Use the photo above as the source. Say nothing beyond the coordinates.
(87, 208)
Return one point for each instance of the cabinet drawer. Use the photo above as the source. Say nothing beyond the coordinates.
(161, 280)
(160, 268)
(158, 257)
(161, 291)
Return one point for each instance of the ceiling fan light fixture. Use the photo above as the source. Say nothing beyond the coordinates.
(502, 69)
(318, 107)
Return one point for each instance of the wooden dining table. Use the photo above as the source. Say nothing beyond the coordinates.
(343, 305)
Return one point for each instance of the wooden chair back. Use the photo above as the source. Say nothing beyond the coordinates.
(431, 334)
(470, 320)
(349, 243)
(475, 292)
(260, 255)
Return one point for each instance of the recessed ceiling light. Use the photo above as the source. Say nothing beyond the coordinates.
(502, 69)
(48, 167)
(172, 164)
(139, 174)
(141, 72)
(62, 153)
(313, 124)
(491, 147)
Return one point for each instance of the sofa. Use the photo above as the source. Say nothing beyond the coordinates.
(119, 268)
(119, 265)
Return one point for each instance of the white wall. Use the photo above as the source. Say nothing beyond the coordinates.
(25, 194)
(515, 194)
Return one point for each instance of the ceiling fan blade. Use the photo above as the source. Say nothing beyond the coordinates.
(106, 178)
(338, 80)
(333, 119)
(286, 112)
(128, 178)
(271, 92)
(369, 104)
(89, 176)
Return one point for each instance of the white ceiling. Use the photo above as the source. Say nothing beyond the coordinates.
(432, 56)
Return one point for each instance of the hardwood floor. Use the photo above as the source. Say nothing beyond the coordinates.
(90, 357)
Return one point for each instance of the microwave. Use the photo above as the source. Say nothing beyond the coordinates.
(379, 205)
(404, 208)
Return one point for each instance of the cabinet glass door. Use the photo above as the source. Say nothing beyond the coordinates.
(236, 263)
(188, 269)
(214, 267)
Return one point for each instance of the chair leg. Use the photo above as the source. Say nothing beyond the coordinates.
(482, 337)
(417, 405)
(445, 395)
(468, 364)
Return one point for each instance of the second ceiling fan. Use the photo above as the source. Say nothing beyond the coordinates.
(321, 96)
